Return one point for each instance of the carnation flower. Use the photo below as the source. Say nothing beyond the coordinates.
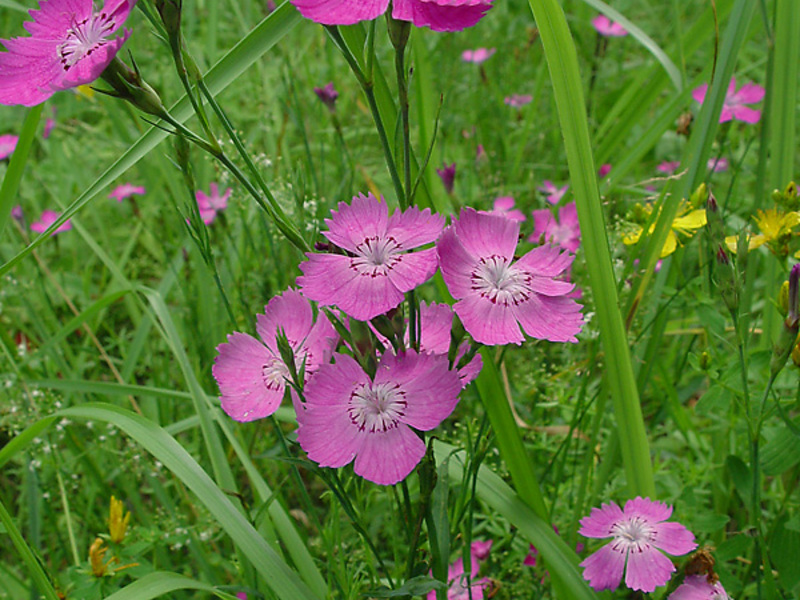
(638, 533)
(504, 207)
(604, 170)
(448, 176)
(47, 219)
(552, 193)
(518, 100)
(212, 203)
(461, 588)
(439, 15)
(496, 294)
(697, 587)
(717, 165)
(378, 269)
(8, 143)
(478, 56)
(126, 190)
(564, 232)
(348, 415)
(607, 27)
(327, 95)
(734, 105)
(668, 166)
(252, 375)
(70, 45)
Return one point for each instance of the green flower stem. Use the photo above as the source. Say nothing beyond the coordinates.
(402, 91)
(562, 61)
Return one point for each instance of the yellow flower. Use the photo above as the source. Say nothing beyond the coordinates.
(97, 552)
(85, 91)
(685, 223)
(776, 229)
(117, 524)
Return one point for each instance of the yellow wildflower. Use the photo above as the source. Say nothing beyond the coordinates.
(686, 222)
(776, 230)
(117, 524)
(97, 553)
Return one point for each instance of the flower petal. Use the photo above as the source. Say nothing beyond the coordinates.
(340, 12)
(413, 227)
(487, 322)
(441, 15)
(647, 569)
(598, 523)
(487, 235)
(674, 539)
(365, 217)
(603, 569)
(388, 457)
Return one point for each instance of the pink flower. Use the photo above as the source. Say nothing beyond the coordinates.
(566, 232)
(604, 170)
(697, 587)
(718, 165)
(126, 190)
(49, 125)
(16, 212)
(495, 294)
(735, 100)
(327, 95)
(448, 176)
(638, 533)
(8, 143)
(607, 27)
(242, 595)
(47, 219)
(439, 15)
(212, 203)
(504, 207)
(518, 100)
(457, 579)
(531, 559)
(478, 55)
(69, 46)
(668, 166)
(348, 415)
(378, 270)
(552, 193)
(252, 375)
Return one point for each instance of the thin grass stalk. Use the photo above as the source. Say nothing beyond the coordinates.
(13, 176)
(562, 62)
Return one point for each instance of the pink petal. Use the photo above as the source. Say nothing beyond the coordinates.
(503, 203)
(364, 217)
(674, 539)
(289, 312)
(647, 569)
(414, 269)
(749, 93)
(485, 235)
(326, 433)
(598, 523)
(746, 114)
(545, 261)
(699, 94)
(696, 587)
(652, 510)
(334, 382)
(436, 320)
(388, 457)
(542, 221)
(557, 319)
(413, 227)
(456, 263)
(441, 15)
(340, 12)
(488, 323)
(603, 569)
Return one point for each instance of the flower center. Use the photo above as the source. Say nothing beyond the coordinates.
(378, 408)
(632, 534)
(495, 279)
(84, 38)
(274, 374)
(376, 256)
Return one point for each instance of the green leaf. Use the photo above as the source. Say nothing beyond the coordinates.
(709, 522)
(781, 453)
(784, 550)
(155, 585)
(416, 586)
(742, 478)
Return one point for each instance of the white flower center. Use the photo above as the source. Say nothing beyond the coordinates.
(376, 256)
(84, 38)
(274, 374)
(377, 408)
(632, 534)
(495, 279)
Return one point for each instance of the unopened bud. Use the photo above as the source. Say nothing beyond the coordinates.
(699, 197)
(399, 31)
(129, 85)
(783, 299)
(705, 360)
(791, 324)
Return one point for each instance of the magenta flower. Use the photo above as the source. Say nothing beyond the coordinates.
(607, 27)
(378, 270)
(638, 533)
(604, 170)
(448, 176)
(552, 193)
(125, 191)
(718, 165)
(16, 212)
(504, 207)
(439, 15)
(478, 56)
(252, 375)
(436, 322)
(212, 203)
(350, 416)
(327, 95)
(566, 232)
(668, 166)
(697, 587)
(734, 105)
(495, 294)
(70, 45)
(47, 219)
(460, 587)
(49, 125)
(518, 100)
(8, 143)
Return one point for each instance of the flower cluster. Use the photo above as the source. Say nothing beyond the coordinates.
(362, 394)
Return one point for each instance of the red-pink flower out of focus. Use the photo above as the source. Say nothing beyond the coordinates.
(457, 579)
(718, 165)
(478, 56)
(668, 166)
(212, 203)
(126, 190)
(604, 170)
(552, 193)
(504, 207)
(518, 100)
(47, 219)
(607, 27)
(348, 415)
(8, 143)
(564, 232)
(448, 176)
(697, 587)
(69, 45)
(439, 15)
(735, 100)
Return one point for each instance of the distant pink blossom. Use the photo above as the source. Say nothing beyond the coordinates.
(212, 203)
(378, 268)
(49, 125)
(564, 232)
(552, 193)
(668, 166)
(69, 45)
(327, 95)
(349, 415)
(504, 207)
(125, 191)
(252, 375)
(47, 219)
(718, 165)
(478, 56)
(639, 532)
(604, 170)
(439, 15)
(497, 294)
(17, 213)
(734, 105)
(607, 27)
(480, 153)
(697, 587)
(8, 143)
(532, 558)
(518, 100)
(448, 176)
(456, 577)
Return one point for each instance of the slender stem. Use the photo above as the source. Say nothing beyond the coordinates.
(402, 90)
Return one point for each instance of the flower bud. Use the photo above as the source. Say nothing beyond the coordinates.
(791, 324)
(129, 85)
(399, 31)
(117, 520)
